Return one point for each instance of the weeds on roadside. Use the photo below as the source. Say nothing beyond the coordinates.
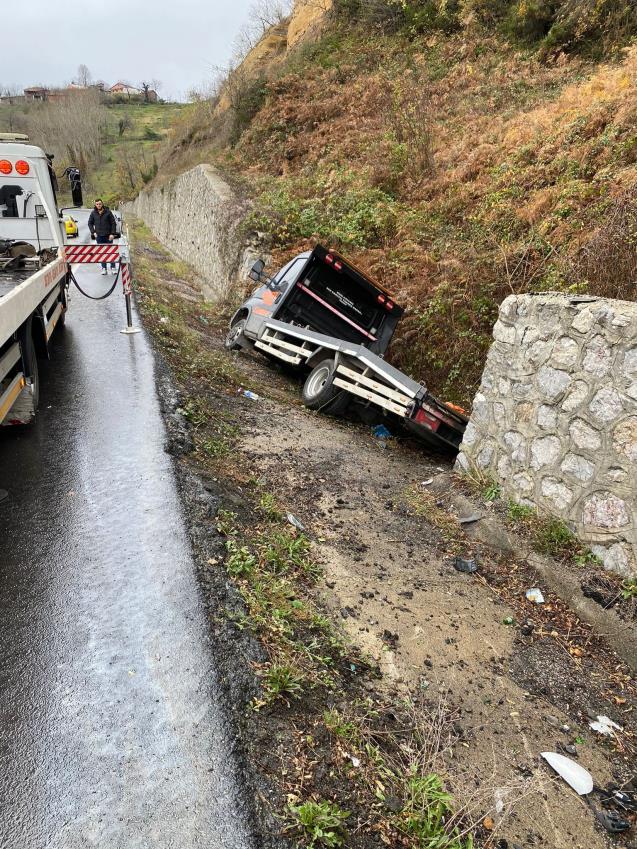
(320, 823)
(629, 588)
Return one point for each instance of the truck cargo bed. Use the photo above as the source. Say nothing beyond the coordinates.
(10, 279)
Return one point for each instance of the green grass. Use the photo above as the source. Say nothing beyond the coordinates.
(629, 588)
(427, 812)
(151, 123)
(320, 823)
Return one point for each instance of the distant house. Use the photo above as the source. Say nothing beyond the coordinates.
(36, 93)
(124, 88)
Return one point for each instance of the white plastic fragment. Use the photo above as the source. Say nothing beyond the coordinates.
(604, 725)
(573, 774)
(428, 482)
(295, 522)
(535, 595)
(356, 762)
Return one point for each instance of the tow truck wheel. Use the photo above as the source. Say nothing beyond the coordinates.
(233, 339)
(319, 392)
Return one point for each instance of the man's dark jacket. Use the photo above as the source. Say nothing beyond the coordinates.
(102, 225)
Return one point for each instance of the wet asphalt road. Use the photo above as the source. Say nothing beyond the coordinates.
(110, 732)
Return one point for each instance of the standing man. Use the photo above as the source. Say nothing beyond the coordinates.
(103, 227)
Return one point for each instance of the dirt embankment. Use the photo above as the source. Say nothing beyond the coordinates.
(511, 679)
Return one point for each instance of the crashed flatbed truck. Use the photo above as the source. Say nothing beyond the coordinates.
(320, 314)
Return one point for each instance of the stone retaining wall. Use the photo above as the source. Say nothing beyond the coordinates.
(555, 419)
(198, 217)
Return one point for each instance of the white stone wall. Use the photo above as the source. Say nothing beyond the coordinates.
(555, 419)
(198, 217)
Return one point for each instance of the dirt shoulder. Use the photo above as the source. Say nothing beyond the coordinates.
(357, 660)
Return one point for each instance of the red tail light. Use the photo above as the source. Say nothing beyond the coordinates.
(329, 258)
(22, 167)
(381, 299)
(424, 418)
(5, 166)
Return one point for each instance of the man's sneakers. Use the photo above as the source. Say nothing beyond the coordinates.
(104, 271)
(113, 269)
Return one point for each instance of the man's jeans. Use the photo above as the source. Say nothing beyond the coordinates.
(104, 240)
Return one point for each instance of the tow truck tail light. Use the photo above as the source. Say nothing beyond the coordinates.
(381, 299)
(389, 305)
(338, 265)
(330, 259)
(22, 167)
(5, 166)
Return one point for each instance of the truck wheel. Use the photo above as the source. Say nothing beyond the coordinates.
(30, 366)
(319, 392)
(233, 339)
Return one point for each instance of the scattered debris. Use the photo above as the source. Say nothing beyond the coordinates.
(251, 395)
(573, 774)
(468, 520)
(604, 725)
(428, 482)
(463, 565)
(295, 522)
(535, 595)
(612, 821)
(381, 432)
(625, 799)
(508, 620)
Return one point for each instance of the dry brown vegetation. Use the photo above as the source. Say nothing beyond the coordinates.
(456, 166)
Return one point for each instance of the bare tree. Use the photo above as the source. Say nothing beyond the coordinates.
(84, 77)
(71, 128)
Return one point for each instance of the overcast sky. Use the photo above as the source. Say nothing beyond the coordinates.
(175, 41)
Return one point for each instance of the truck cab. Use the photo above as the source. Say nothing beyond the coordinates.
(28, 202)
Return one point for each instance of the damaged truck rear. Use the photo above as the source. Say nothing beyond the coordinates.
(325, 317)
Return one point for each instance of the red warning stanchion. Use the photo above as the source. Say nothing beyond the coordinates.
(125, 271)
(86, 254)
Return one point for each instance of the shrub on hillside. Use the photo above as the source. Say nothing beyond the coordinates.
(607, 263)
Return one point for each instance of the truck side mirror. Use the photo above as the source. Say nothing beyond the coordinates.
(256, 270)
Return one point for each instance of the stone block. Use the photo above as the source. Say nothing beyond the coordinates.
(578, 393)
(584, 436)
(605, 510)
(625, 438)
(615, 557)
(516, 444)
(606, 405)
(598, 358)
(557, 492)
(545, 451)
(552, 383)
(577, 466)
(583, 321)
(547, 417)
(504, 333)
(565, 352)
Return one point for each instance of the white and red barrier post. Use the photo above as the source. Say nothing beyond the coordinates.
(87, 254)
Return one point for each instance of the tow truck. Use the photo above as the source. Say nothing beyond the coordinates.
(34, 275)
(322, 315)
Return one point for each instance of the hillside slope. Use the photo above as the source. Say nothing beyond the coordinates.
(454, 161)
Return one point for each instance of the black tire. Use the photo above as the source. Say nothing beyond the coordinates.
(235, 335)
(30, 365)
(319, 392)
